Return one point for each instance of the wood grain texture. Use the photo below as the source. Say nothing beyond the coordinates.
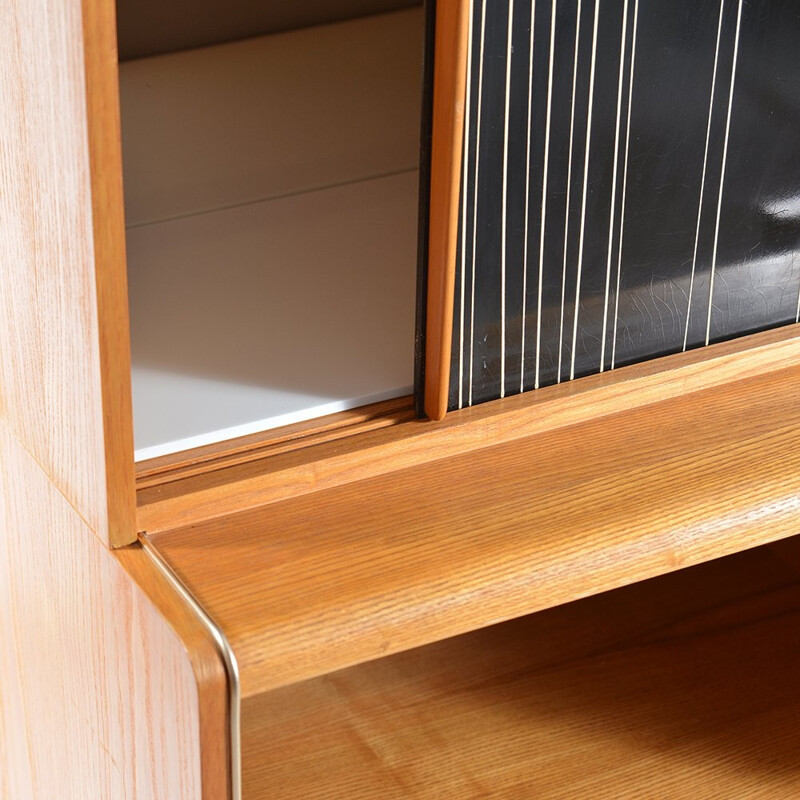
(210, 675)
(110, 274)
(201, 460)
(449, 93)
(99, 697)
(681, 687)
(362, 570)
(64, 377)
(291, 472)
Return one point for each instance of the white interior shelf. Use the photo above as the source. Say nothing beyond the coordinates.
(271, 205)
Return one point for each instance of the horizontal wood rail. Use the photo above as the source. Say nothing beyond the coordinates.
(257, 446)
(247, 474)
(355, 571)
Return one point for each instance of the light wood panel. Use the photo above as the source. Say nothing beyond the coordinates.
(680, 687)
(449, 80)
(110, 276)
(210, 675)
(373, 567)
(99, 697)
(200, 496)
(64, 368)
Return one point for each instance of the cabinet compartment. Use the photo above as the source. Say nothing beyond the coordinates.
(680, 686)
(271, 205)
(638, 499)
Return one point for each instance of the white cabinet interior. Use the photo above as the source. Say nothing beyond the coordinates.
(271, 209)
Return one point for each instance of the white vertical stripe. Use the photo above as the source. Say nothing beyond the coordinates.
(703, 178)
(625, 181)
(614, 181)
(722, 173)
(544, 189)
(585, 182)
(527, 198)
(569, 189)
(797, 315)
(505, 207)
(475, 199)
(464, 185)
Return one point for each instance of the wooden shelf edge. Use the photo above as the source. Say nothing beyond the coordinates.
(179, 493)
(645, 683)
(324, 581)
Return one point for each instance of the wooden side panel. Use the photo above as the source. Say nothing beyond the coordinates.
(98, 696)
(209, 670)
(64, 355)
(110, 272)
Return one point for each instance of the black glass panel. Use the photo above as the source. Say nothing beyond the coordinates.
(630, 186)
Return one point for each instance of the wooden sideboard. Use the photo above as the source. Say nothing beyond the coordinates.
(585, 591)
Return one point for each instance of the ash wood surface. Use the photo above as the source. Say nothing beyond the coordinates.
(681, 687)
(449, 92)
(64, 368)
(369, 568)
(211, 458)
(99, 698)
(211, 731)
(196, 494)
(109, 269)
